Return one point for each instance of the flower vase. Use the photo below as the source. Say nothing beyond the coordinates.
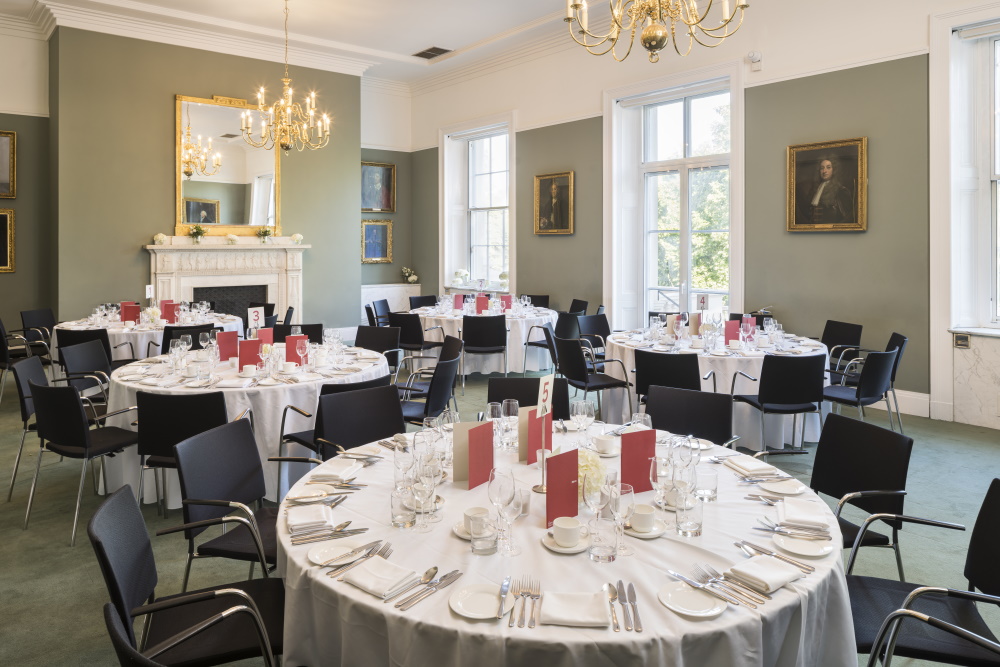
(196, 240)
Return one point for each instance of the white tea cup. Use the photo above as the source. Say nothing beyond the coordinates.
(605, 444)
(470, 514)
(130, 324)
(643, 518)
(161, 323)
(697, 343)
(191, 371)
(763, 340)
(249, 371)
(735, 344)
(566, 531)
(289, 367)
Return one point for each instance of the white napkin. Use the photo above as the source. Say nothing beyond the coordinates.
(378, 576)
(337, 470)
(585, 610)
(131, 378)
(753, 353)
(765, 574)
(308, 517)
(235, 382)
(748, 465)
(798, 512)
(157, 381)
(400, 438)
(307, 377)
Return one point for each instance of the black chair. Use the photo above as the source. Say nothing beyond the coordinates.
(270, 322)
(702, 414)
(355, 418)
(595, 330)
(220, 471)
(842, 339)
(172, 332)
(417, 388)
(381, 308)
(10, 355)
(484, 334)
(573, 366)
(440, 391)
(37, 326)
(578, 306)
(423, 301)
(874, 383)
(370, 315)
(538, 300)
(211, 626)
(69, 338)
(268, 307)
(64, 429)
(874, 601)
(525, 392)
(313, 331)
(548, 342)
(381, 339)
(788, 386)
(88, 368)
(898, 342)
(160, 429)
(411, 332)
(288, 316)
(679, 371)
(600, 310)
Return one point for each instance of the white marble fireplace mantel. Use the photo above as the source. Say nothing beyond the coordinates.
(177, 268)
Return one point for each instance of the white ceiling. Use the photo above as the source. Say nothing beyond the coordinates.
(384, 32)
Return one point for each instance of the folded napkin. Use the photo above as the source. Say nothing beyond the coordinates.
(585, 610)
(748, 465)
(379, 577)
(765, 574)
(337, 470)
(305, 377)
(158, 381)
(401, 439)
(753, 353)
(308, 517)
(235, 382)
(131, 378)
(269, 382)
(798, 512)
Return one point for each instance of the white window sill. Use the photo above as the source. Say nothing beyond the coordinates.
(987, 332)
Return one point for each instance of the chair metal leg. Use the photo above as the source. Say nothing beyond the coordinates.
(795, 424)
(3, 382)
(93, 477)
(17, 462)
(861, 413)
(524, 364)
(505, 362)
(162, 496)
(187, 572)
(899, 555)
(34, 482)
(79, 499)
(763, 445)
(250, 576)
(461, 370)
(802, 437)
(898, 417)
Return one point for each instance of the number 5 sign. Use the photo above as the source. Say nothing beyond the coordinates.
(545, 385)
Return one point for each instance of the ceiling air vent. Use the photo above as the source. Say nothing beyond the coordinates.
(432, 52)
(228, 136)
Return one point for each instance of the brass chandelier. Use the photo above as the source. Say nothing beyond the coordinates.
(195, 157)
(285, 124)
(658, 22)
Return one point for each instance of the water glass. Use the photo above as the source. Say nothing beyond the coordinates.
(690, 515)
(621, 503)
(707, 485)
(401, 508)
(510, 411)
(642, 419)
(494, 413)
(296, 330)
(603, 541)
(484, 536)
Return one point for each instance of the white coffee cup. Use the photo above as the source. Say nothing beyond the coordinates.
(130, 324)
(763, 340)
(643, 518)
(249, 370)
(161, 323)
(735, 344)
(289, 367)
(566, 531)
(697, 343)
(468, 515)
(191, 371)
(605, 444)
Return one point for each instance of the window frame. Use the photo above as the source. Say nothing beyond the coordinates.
(472, 209)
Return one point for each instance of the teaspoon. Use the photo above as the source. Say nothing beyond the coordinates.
(426, 579)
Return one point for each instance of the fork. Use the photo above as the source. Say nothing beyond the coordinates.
(525, 592)
(706, 577)
(516, 589)
(384, 552)
(734, 581)
(536, 593)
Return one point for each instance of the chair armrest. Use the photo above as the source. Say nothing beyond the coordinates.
(339, 449)
(250, 523)
(872, 518)
(120, 412)
(622, 364)
(295, 459)
(233, 504)
(894, 620)
(778, 452)
(243, 415)
(130, 347)
(732, 388)
(179, 638)
(153, 344)
(711, 374)
(284, 414)
(730, 441)
(863, 494)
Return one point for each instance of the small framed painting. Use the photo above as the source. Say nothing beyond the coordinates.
(378, 187)
(828, 186)
(554, 203)
(8, 165)
(7, 240)
(376, 241)
(201, 211)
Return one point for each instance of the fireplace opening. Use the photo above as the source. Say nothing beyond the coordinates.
(232, 299)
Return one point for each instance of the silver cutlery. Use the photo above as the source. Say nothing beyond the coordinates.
(763, 499)
(623, 601)
(336, 529)
(536, 593)
(774, 499)
(635, 607)
(351, 553)
(324, 537)
(432, 582)
(612, 598)
(431, 590)
(703, 587)
(384, 551)
(513, 611)
(504, 588)
(525, 592)
(422, 581)
(736, 582)
(706, 579)
(786, 525)
(321, 494)
(790, 533)
(791, 561)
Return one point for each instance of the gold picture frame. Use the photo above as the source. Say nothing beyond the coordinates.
(375, 196)
(554, 203)
(201, 211)
(376, 241)
(7, 256)
(828, 186)
(8, 157)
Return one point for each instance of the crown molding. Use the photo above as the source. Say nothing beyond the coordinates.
(24, 28)
(385, 87)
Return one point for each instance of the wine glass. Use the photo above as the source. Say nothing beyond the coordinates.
(510, 512)
(621, 502)
(594, 493)
(302, 348)
(642, 419)
(510, 412)
(204, 338)
(581, 413)
(186, 341)
(500, 490)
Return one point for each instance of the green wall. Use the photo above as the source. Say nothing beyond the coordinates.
(566, 267)
(877, 278)
(115, 159)
(31, 284)
(402, 224)
(424, 251)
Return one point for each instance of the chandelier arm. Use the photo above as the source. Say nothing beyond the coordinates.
(725, 25)
(631, 41)
(677, 48)
(585, 44)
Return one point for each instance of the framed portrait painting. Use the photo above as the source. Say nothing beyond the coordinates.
(6, 240)
(201, 211)
(8, 165)
(828, 186)
(376, 241)
(378, 187)
(554, 203)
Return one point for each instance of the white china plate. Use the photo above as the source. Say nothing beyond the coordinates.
(460, 531)
(810, 548)
(268, 382)
(659, 527)
(247, 376)
(369, 449)
(479, 601)
(716, 353)
(321, 553)
(686, 601)
(786, 487)
(581, 546)
(313, 493)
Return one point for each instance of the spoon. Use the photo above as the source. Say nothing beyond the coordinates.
(426, 579)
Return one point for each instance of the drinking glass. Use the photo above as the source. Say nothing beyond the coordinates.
(603, 539)
(500, 490)
(642, 419)
(621, 502)
(424, 484)
(430, 466)
(494, 413)
(302, 349)
(661, 477)
(204, 338)
(690, 513)
(594, 493)
(186, 341)
(509, 409)
(582, 415)
(707, 485)
(484, 536)
(296, 330)
(510, 512)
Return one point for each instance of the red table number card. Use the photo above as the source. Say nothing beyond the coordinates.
(482, 304)
(228, 345)
(130, 312)
(562, 483)
(249, 352)
(266, 336)
(638, 449)
(168, 311)
(473, 452)
(505, 299)
(291, 345)
(732, 330)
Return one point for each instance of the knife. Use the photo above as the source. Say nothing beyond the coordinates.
(635, 607)
(352, 552)
(704, 587)
(623, 601)
(504, 587)
(445, 581)
(808, 569)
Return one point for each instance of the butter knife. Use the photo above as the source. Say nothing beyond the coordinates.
(635, 607)
(623, 601)
(504, 588)
(808, 569)
(352, 552)
(445, 581)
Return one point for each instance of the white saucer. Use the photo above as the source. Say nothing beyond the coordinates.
(810, 548)
(460, 531)
(479, 601)
(323, 552)
(612, 454)
(786, 487)
(581, 546)
(268, 382)
(659, 527)
(247, 377)
(314, 493)
(686, 601)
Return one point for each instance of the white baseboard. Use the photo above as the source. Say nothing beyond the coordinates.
(910, 403)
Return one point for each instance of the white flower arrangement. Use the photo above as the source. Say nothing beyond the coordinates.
(296, 238)
(231, 239)
(409, 275)
(153, 312)
(504, 277)
(160, 239)
(592, 471)
(461, 277)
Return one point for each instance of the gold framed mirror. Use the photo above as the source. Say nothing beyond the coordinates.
(238, 195)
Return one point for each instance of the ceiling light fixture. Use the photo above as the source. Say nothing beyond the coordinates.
(661, 19)
(284, 123)
(194, 157)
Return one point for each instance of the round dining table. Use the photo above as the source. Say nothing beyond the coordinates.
(267, 399)
(331, 622)
(778, 429)
(520, 328)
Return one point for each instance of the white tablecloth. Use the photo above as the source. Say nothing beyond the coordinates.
(746, 420)
(538, 358)
(267, 404)
(328, 622)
